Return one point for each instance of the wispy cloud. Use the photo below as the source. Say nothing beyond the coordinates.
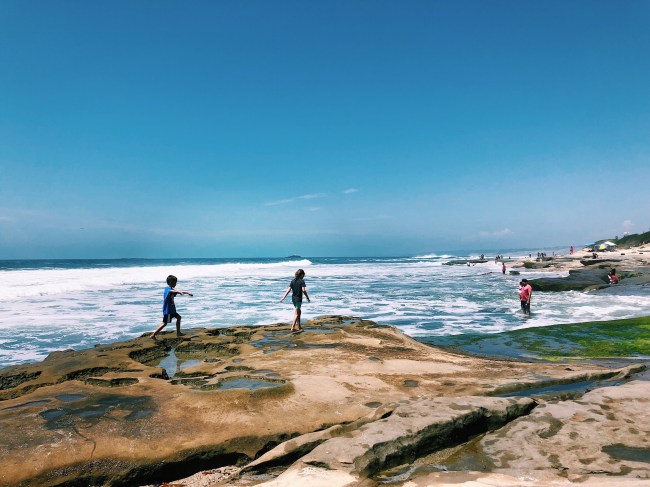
(495, 234)
(350, 191)
(371, 218)
(279, 202)
(628, 224)
(314, 208)
(291, 200)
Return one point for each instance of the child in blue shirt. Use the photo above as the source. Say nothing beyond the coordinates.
(169, 307)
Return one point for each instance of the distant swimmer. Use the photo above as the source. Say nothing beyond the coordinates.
(297, 287)
(169, 307)
(503, 268)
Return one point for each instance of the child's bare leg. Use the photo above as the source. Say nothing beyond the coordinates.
(298, 313)
(158, 330)
(178, 327)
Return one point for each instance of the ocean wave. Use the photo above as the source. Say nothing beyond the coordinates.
(50, 309)
(433, 256)
(44, 282)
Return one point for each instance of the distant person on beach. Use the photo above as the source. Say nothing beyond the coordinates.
(503, 268)
(169, 307)
(525, 294)
(613, 278)
(297, 287)
(571, 250)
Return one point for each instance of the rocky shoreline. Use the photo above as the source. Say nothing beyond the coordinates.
(349, 402)
(586, 273)
(340, 404)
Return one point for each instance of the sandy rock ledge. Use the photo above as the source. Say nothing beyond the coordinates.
(338, 404)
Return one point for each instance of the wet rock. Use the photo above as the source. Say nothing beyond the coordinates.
(465, 261)
(111, 415)
(577, 280)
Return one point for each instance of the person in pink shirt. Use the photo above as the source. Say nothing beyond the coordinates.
(525, 293)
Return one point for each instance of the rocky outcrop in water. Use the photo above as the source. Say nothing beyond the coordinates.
(577, 280)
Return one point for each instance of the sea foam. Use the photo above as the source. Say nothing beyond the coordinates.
(52, 309)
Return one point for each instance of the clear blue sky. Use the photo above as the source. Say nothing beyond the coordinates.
(265, 128)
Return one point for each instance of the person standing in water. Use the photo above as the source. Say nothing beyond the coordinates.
(169, 307)
(525, 294)
(297, 287)
(503, 268)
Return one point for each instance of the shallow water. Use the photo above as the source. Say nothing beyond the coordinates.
(172, 364)
(58, 305)
(252, 384)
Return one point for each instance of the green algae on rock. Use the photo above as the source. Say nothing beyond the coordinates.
(627, 338)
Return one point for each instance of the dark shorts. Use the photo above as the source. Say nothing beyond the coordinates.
(525, 307)
(297, 302)
(168, 318)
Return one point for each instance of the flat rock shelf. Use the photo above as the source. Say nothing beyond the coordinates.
(341, 404)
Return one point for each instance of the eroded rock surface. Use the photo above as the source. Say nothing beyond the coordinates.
(604, 434)
(143, 411)
(414, 429)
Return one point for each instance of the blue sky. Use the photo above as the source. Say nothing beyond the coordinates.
(266, 128)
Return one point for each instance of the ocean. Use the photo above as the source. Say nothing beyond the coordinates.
(50, 305)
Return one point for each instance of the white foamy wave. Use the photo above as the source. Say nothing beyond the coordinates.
(432, 256)
(43, 282)
(54, 309)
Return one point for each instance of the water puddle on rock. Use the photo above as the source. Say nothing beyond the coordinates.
(248, 383)
(463, 457)
(627, 453)
(70, 397)
(562, 391)
(319, 330)
(274, 342)
(266, 372)
(318, 345)
(172, 364)
(373, 404)
(29, 404)
(91, 410)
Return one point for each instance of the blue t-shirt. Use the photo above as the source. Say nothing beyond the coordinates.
(169, 307)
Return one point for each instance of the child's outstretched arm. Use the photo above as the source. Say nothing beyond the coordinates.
(177, 291)
(286, 294)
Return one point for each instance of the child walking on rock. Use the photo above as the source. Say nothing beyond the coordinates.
(298, 288)
(169, 307)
